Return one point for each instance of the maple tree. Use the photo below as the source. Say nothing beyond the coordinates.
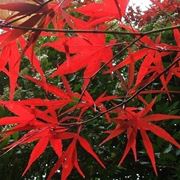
(95, 44)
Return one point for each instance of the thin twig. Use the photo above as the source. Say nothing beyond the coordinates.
(88, 31)
(160, 49)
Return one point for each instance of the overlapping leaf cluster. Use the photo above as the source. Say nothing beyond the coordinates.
(85, 48)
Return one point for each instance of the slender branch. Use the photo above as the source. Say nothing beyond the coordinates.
(160, 49)
(66, 30)
(125, 101)
(87, 31)
(159, 91)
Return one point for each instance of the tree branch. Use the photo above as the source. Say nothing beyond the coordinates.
(87, 31)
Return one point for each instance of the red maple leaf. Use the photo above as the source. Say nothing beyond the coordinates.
(85, 51)
(132, 120)
(69, 158)
(151, 57)
(106, 10)
(10, 57)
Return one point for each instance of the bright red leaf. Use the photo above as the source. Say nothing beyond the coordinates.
(131, 120)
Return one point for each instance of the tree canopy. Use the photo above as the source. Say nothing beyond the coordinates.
(87, 87)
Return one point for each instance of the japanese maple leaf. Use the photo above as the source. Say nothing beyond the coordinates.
(44, 134)
(23, 8)
(11, 35)
(60, 93)
(132, 120)
(175, 70)
(10, 57)
(86, 51)
(69, 158)
(27, 14)
(47, 136)
(151, 58)
(28, 115)
(30, 54)
(68, 96)
(106, 10)
(67, 161)
(88, 102)
(42, 125)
